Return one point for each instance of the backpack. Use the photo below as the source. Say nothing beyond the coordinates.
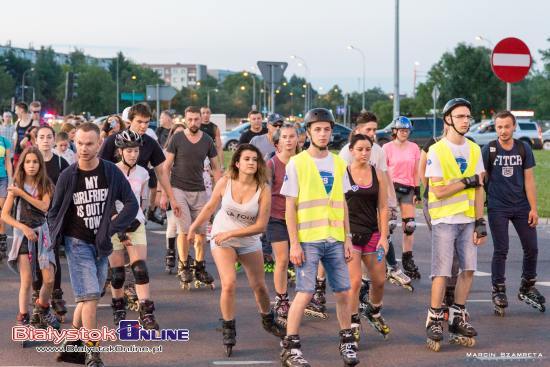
(493, 155)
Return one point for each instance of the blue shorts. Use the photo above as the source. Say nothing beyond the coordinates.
(3, 187)
(448, 238)
(87, 272)
(331, 254)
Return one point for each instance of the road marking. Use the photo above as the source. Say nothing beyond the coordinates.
(481, 274)
(158, 232)
(241, 363)
(479, 300)
(545, 284)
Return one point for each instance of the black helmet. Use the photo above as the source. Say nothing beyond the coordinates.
(455, 102)
(318, 115)
(127, 139)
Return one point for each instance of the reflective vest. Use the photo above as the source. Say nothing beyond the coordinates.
(319, 216)
(463, 201)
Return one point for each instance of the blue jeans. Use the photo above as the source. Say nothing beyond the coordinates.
(333, 259)
(87, 272)
(498, 222)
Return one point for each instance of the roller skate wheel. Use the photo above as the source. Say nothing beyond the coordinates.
(228, 350)
(542, 308)
(197, 284)
(499, 311)
(433, 345)
(409, 287)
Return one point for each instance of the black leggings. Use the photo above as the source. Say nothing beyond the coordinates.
(36, 285)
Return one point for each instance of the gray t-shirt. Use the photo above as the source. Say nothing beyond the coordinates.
(264, 145)
(189, 161)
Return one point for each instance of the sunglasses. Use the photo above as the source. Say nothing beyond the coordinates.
(277, 124)
(35, 111)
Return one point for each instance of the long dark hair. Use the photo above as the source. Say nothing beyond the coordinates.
(43, 183)
(261, 173)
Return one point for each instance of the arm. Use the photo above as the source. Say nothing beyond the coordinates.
(216, 171)
(422, 168)
(219, 148)
(296, 254)
(531, 191)
(129, 202)
(8, 219)
(142, 195)
(8, 165)
(163, 174)
(210, 207)
(441, 191)
(41, 204)
(383, 209)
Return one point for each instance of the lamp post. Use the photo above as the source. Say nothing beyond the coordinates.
(134, 78)
(246, 73)
(350, 47)
(117, 87)
(396, 64)
(23, 83)
(302, 62)
(416, 64)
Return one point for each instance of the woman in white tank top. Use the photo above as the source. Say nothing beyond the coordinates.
(245, 206)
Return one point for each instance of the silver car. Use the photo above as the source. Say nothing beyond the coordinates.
(526, 130)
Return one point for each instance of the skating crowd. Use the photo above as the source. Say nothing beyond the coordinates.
(284, 204)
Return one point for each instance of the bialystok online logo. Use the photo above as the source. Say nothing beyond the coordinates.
(128, 330)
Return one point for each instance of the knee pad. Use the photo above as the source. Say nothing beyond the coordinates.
(118, 275)
(139, 268)
(409, 226)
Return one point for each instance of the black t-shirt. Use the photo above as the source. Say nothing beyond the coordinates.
(88, 204)
(249, 134)
(363, 205)
(149, 152)
(162, 135)
(55, 166)
(210, 129)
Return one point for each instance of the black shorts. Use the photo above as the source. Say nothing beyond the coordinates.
(24, 248)
(152, 179)
(276, 230)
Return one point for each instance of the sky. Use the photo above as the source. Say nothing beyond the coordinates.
(235, 34)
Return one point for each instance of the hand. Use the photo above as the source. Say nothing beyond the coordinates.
(16, 191)
(176, 208)
(163, 201)
(127, 243)
(384, 244)
(417, 196)
(347, 249)
(479, 241)
(30, 234)
(480, 232)
(222, 237)
(471, 182)
(191, 233)
(533, 218)
(296, 255)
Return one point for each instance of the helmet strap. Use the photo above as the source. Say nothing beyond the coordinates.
(452, 124)
(130, 166)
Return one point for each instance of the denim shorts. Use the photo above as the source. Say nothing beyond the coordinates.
(331, 254)
(444, 239)
(87, 272)
(3, 187)
(277, 231)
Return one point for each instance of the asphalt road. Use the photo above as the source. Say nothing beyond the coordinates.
(523, 330)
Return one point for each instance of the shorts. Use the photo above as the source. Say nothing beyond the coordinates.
(152, 179)
(331, 254)
(277, 230)
(3, 187)
(240, 250)
(138, 238)
(446, 238)
(191, 203)
(24, 248)
(405, 198)
(171, 224)
(87, 272)
(370, 247)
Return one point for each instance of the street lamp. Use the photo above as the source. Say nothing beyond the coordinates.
(208, 95)
(302, 62)
(23, 83)
(350, 47)
(416, 64)
(134, 78)
(291, 103)
(246, 73)
(483, 39)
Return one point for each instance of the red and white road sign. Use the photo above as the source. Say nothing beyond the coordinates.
(511, 60)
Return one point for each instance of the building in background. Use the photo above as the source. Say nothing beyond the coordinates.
(220, 74)
(179, 75)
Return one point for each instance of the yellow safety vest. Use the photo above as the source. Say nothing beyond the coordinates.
(463, 201)
(319, 215)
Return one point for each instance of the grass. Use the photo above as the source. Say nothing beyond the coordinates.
(542, 177)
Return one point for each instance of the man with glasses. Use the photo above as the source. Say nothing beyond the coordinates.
(265, 142)
(36, 109)
(455, 201)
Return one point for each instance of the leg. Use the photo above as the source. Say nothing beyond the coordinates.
(498, 223)
(377, 275)
(338, 278)
(253, 266)
(407, 211)
(116, 261)
(25, 274)
(528, 238)
(48, 276)
(463, 286)
(280, 250)
(354, 268)
(225, 259)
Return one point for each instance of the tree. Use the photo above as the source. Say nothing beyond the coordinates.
(96, 91)
(6, 87)
(47, 77)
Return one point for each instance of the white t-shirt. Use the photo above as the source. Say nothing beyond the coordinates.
(137, 178)
(377, 157)
(433, 169)
(69, 155)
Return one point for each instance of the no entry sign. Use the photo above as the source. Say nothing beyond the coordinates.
(511, 60)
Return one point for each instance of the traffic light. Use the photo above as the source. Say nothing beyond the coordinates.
(72, 85)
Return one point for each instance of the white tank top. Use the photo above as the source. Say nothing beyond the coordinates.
(233, 215)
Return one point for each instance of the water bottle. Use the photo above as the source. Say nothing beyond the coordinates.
(380, 253)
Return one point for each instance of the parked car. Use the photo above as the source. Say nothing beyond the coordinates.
(526, 130)
(546, 140)
(422, 130)
(230, 138)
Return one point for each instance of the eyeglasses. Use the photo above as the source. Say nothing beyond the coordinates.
(463, 117)
(36, 111)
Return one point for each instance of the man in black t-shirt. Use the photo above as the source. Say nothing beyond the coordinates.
(256, 128)
(45, 139)
(149, 153)
(164, 129)
(213, 131)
